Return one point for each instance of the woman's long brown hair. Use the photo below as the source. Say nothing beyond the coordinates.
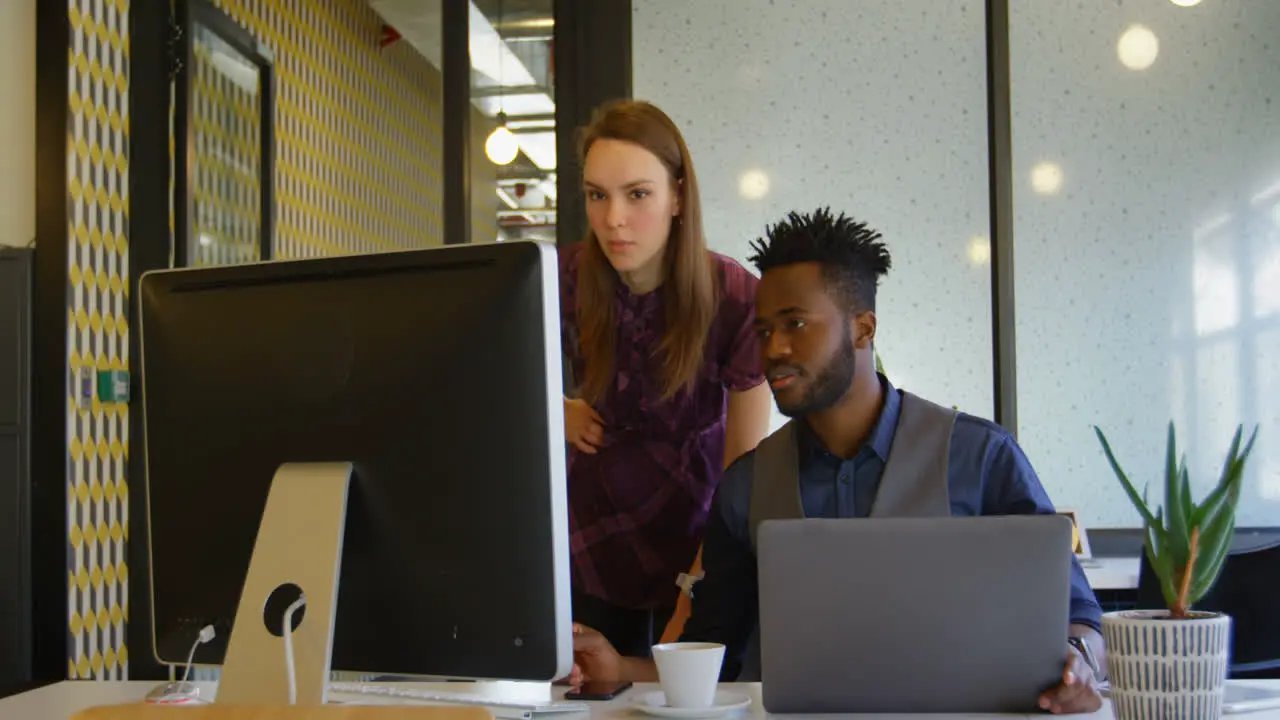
(689, 284)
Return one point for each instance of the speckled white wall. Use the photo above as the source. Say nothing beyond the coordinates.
(1147, 153)
(873, 108)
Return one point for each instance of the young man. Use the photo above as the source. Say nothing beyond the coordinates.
(815, 316)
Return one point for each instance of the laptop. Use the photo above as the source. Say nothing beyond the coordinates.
(913, 615)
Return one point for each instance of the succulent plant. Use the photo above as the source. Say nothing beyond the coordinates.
(1186, 543)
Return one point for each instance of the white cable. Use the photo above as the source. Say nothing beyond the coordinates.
(206, 634)
(287, 631)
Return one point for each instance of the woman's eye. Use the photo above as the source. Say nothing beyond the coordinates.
(639, 194)
(595, 195)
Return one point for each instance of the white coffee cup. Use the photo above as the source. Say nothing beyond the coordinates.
(689, 672)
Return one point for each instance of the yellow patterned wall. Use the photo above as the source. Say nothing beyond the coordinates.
(97, 336)
(358, 165)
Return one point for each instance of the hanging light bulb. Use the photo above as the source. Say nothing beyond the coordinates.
(501, 147)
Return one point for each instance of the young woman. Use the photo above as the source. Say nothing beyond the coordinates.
(658, 331)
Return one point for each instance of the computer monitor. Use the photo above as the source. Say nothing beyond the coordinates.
(403, 413)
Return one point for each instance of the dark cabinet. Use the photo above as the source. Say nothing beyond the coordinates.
(15, 478)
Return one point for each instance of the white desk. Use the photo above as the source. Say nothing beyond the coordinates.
(1112, 573)
(62, 700)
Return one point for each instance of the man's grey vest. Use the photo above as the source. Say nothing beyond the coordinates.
(913, 484)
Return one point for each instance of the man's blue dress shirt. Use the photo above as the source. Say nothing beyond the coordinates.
(987, 475)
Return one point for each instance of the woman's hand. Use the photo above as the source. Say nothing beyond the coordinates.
(582, 426)
(595, 659)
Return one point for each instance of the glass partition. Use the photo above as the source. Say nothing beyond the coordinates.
(1146, 149)
(513, 134)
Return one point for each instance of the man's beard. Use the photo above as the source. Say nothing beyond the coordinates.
(831, 384)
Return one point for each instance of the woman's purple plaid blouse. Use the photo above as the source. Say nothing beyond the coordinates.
(637, 507)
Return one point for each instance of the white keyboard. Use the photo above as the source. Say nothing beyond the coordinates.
(500, 707)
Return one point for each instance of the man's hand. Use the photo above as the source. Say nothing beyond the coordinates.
(1078, 692)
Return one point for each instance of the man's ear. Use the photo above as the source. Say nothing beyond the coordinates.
(863, 329)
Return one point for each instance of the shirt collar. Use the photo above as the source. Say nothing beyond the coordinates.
(881, 437)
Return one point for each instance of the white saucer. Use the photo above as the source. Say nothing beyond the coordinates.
(655, 703)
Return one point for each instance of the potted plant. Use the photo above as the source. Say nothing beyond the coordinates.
(1173, 662)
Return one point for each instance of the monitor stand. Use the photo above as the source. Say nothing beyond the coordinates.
(299, 545)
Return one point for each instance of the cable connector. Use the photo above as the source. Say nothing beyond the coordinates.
(207, 633)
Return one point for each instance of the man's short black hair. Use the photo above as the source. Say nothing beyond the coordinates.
(851, 255)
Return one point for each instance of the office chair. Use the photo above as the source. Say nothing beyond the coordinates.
(1248, 589)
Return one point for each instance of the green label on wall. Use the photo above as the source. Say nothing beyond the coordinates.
(113, 386)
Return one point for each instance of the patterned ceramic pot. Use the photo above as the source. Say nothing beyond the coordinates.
(1162, 668)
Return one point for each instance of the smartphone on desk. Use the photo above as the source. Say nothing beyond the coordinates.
(594, 690)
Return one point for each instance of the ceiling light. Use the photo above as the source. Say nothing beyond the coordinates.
(501, 147)
(753, 184)
(536, 23)
(1138, 48)
(1046, 178)
(979, 250)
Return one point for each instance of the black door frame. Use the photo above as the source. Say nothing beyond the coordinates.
(49, 622)
(154, 57)
(592, 66)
